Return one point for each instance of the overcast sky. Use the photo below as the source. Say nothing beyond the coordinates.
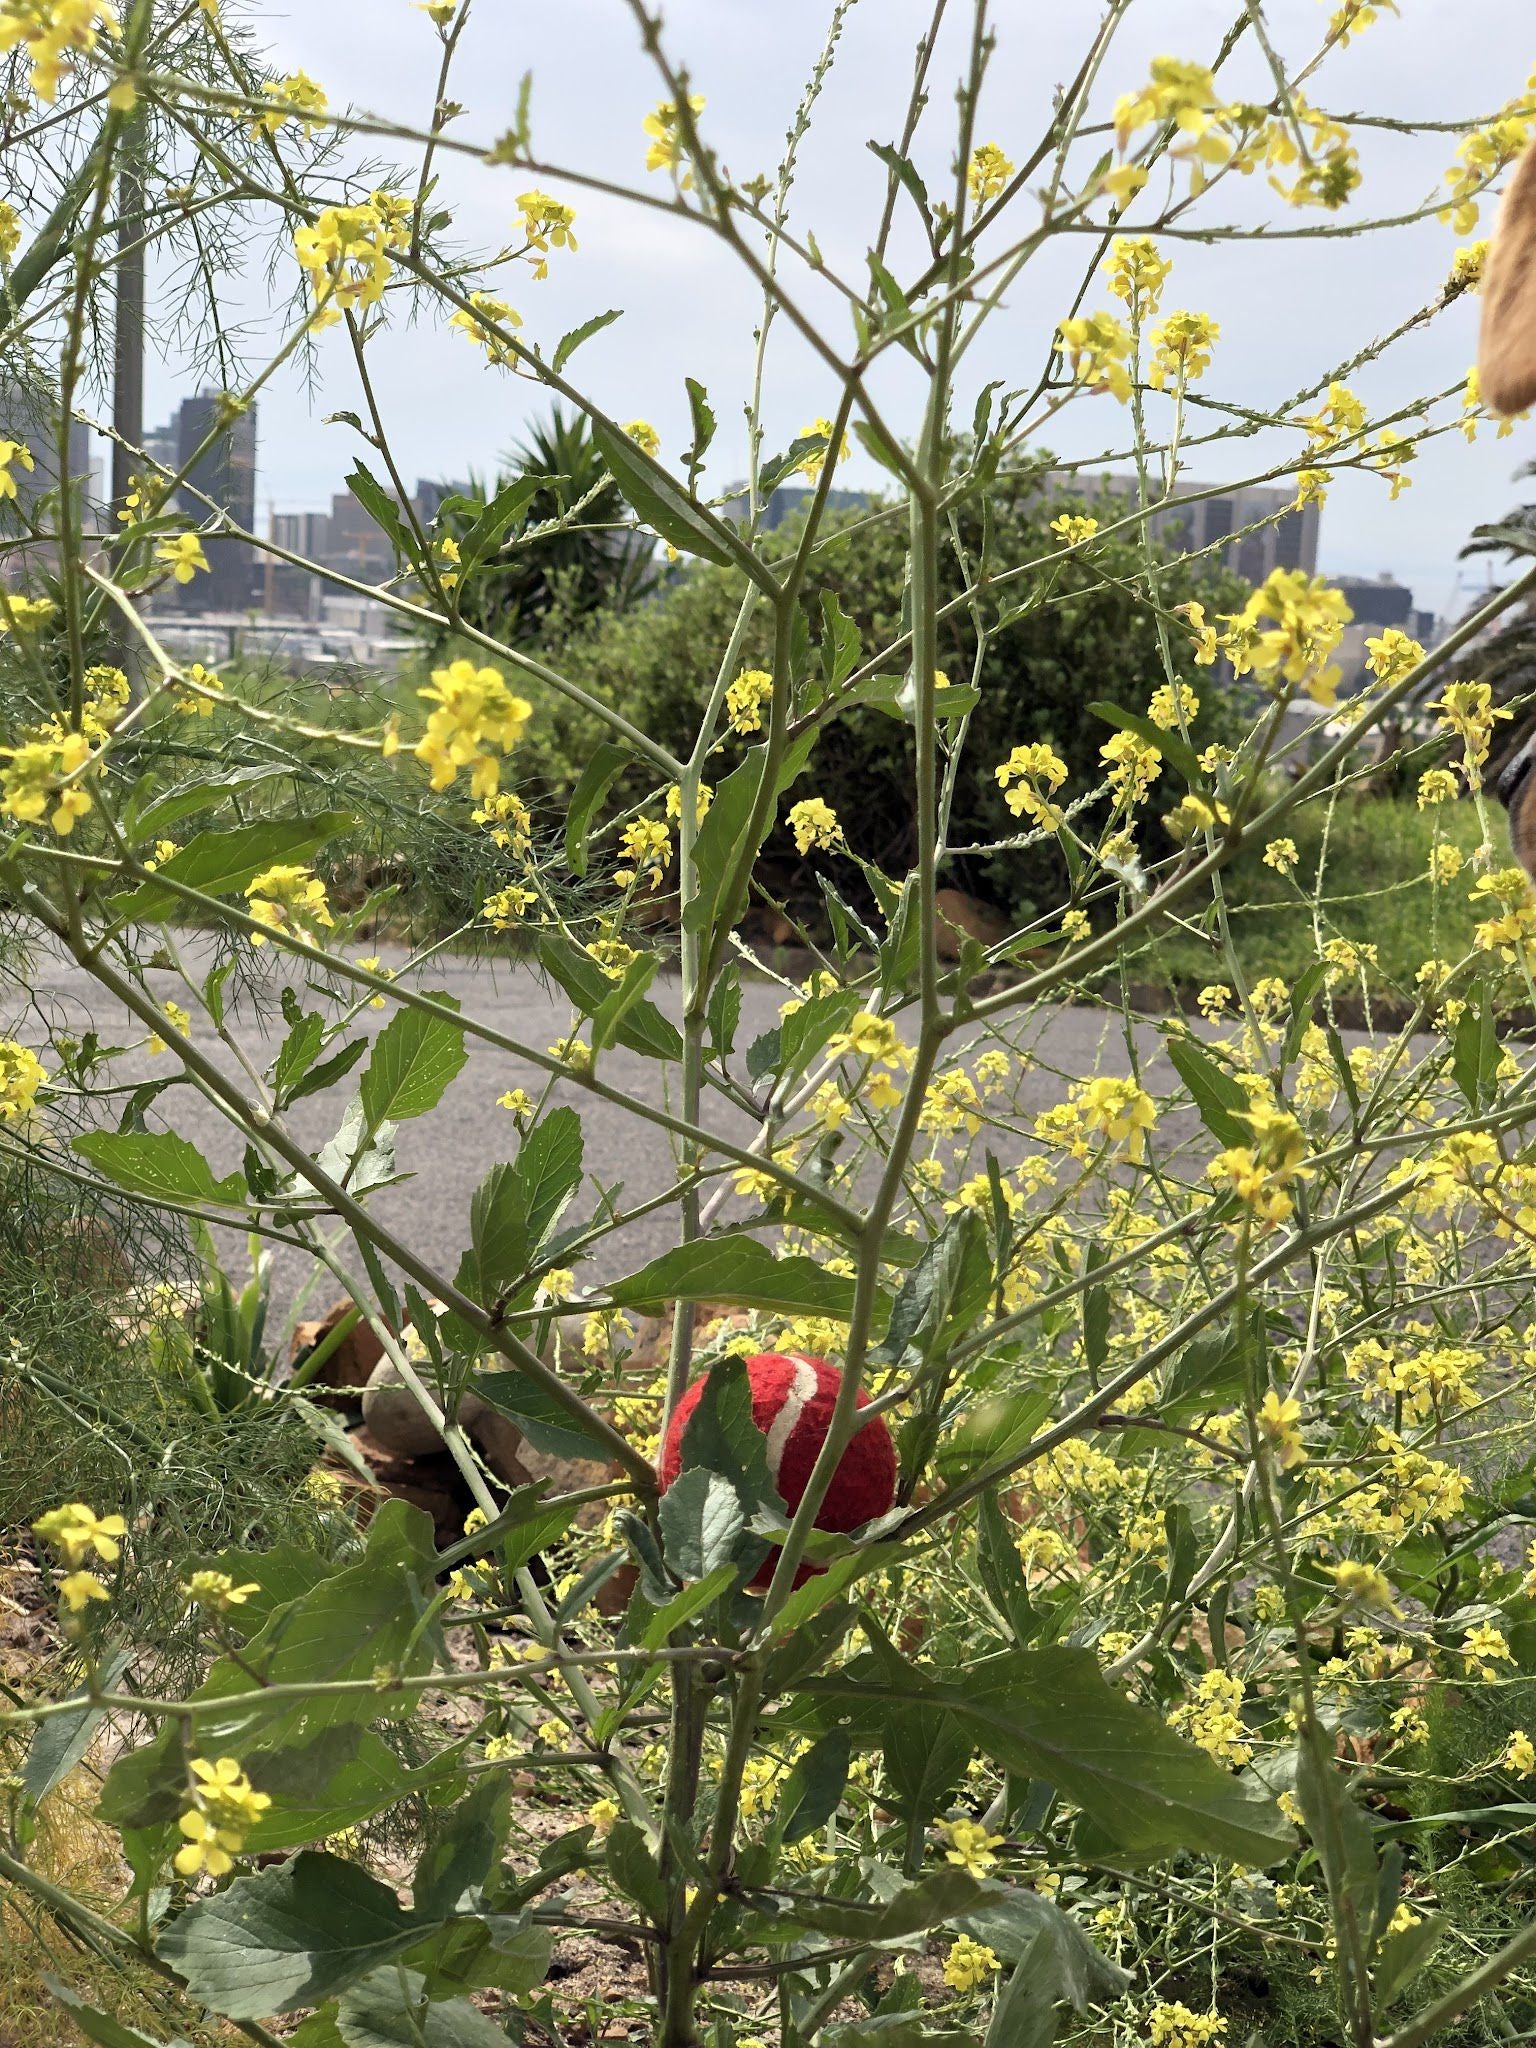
(1288, 309)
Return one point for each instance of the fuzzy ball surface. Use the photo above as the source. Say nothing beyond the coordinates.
(792, 1401)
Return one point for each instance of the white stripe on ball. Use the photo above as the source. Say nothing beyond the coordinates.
(801, 1389)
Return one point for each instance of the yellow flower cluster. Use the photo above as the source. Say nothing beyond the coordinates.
(666, 144)
(48, 30)
(814, 824)
(745, 698)
(1181, 349)
(546, 225)
(1468, 710)
(987, 173)
(12, 453)
(1171, 2024)
(507, 821)
(346, 253)
(1074, 528)
(647, 845)
(1119, 1109)
(971, 1846)
(287, 897)
(295, 98)
(475, 711)
(225, 1807)
(1260, 1174)
(21, 1075)
(1212, 1718)
(968, 1964)
(1483, 154)
(506, 907)
(1028, 778)
(1287, 631)
(217, 1592)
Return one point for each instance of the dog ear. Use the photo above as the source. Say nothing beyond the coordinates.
(1507, 344)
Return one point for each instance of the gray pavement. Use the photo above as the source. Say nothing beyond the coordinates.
(448, 1152)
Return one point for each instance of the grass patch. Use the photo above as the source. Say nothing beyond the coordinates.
(1362, 874)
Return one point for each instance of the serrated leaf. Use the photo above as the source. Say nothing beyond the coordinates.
(414, 1058)
(287, 1936)
(389, 2009)
(813, 1791)
(158, 1163)
(223, 863)
(721, 1436)
(569, 343)
(1220, 1097)
(516, 1206)
(735, 1271)
(702, 1520)
(547, 1426)
(658, 501)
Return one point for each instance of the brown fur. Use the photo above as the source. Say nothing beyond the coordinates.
(1506, 355)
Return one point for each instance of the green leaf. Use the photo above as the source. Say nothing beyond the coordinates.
(721, 1436)
(950, 1283)
(1095, 1312)
(1341, 1835)
(158, 1163)
(605, 762)
(1048, 1713)
(1220, 1097)
(685, 1605)
(569, 343)
(1475, 1052)
(491, 521)
(156, 820)
(895, 696)
(381, 507)
(58, 1744)
(222, 863)
(642, 1027)
(516, 1206)
(721, 840)
(321, 1076)
(1302, 996)
(297, 1053)
(931, 1902)
(735, 1270)
(388, 2009)
(287, 1936)
(622, 997)
(702, 415)
(454, 1867)
(1176, 751)
(1012, 1921)
(1207, 1374)
(840, 642)
(1402, 1955)
(413, 1060)
(547, 1426)
(702, 1524)
(1001, 1573)
(794, 1042)
(813, 1791)
(633, 1869)
(724, 1013)
(99, 2026)
(657, 499)
(905, 173)
(926, 1751)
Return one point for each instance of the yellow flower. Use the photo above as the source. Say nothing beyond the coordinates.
(21, 1075)
(745, 698)
(1098, 350)
(1172, 703)
(225, 1807)
(1211, 1718)
(49, 28)
(1021, 777)
(179, 1020)
(1175, 2025)
(1281, 855)
(346, 252)
(183, 555)
(968, 1964)
(602, 1814)
(1280, 1425)
(547, 224)
(76, 1532)
(10, 232)
(814, 824)
(508, 820)
(647, 844)
(814, 460)
(1137, 273)
(11, 453)
(1074, 528)
(1485, 1649)
(286, 896)
(666, 143)
(217, 1591)
(41, 776)
(970, 1846)
(475, 711)
(644, 436)
(1176, 91)
(518, 1100)
(1468, 710)
(1363, 1585)
(1120, 1109)
(987, 173)
(507, 907)
(1519, 1753)
(298, 98)
(484, 313)
(674, 801)
(1181, 349)
(79, 1589)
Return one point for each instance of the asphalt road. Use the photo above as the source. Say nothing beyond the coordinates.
(447, 1153)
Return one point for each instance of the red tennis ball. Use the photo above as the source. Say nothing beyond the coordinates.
(792, 1401)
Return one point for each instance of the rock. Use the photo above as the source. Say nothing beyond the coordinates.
(498, 1440)
(354, 1358)
(394, 1418)
(959, 917)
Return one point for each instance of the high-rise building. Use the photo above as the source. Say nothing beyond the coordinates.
(1214, 520)
(225, 474)
(26, 415)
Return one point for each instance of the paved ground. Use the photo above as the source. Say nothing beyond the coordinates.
(449, 1152)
